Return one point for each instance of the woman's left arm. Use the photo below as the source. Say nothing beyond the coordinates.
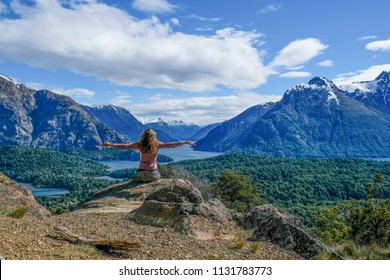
(174, 144)
(120, 146)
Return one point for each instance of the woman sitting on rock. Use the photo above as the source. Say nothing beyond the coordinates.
(148, 147)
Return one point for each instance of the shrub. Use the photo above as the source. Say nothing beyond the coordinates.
(238, 243)
(201, 184)
(18, 212)
(371, 224)
(254, 248)
(236, 191)
(331, 228)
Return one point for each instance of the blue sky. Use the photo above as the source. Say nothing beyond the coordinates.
(200, 61)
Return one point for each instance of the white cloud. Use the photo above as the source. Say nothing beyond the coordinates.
(368, 74)
(74, 92)
(368, 37)
(325, 63)
(153, 6)
(271, 8)
(298, 52)
(98, 40)
(175, 21)
(205, 19)
(295, 74)
(383, 45)
(200, 110)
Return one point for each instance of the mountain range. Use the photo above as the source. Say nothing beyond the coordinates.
(316, 119)
(47, 120)
(44, 119)
(176, 129)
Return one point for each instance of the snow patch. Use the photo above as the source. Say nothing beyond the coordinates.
(9, 80)
(365, 87)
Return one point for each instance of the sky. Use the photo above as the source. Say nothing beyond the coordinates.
(199, 61)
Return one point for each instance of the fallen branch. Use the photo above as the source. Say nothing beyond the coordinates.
(106, 245)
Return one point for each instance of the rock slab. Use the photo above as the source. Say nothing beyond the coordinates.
(273, 225)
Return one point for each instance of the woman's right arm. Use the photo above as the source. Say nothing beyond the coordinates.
(120, 146)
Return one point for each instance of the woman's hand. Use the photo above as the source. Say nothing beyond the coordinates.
(189, 143)
(105, 144)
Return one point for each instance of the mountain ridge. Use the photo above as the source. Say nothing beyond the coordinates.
(47, 120)
(316, 119)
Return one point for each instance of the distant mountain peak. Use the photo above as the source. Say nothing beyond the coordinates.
(321, 82)
(316, 87)
(384, 76)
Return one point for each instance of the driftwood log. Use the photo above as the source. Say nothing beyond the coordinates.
(104, 244)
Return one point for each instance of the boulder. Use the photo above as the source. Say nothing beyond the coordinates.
(284, 230)
(255, 216)
(179, 205)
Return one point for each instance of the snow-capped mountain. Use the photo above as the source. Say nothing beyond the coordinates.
(316, 119)
(375, 94)
(177, 129)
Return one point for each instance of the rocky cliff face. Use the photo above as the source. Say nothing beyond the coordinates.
(45, 119)
(16, 101)
(13, 195)
(117, 118)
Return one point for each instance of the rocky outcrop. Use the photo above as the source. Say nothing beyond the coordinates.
(122, 197)
(179, 205)
(273, 225)
(13, 195)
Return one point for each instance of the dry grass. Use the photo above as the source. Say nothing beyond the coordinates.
(18, 212)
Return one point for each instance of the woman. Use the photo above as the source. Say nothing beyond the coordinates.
(148, 147)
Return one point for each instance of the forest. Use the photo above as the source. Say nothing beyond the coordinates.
(290, 181)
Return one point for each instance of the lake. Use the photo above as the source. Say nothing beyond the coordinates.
(179, 153)
(52, 192)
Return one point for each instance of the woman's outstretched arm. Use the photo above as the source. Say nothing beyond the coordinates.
(174, 144)
(134, 145)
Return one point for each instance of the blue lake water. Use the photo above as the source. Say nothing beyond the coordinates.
(53, 192)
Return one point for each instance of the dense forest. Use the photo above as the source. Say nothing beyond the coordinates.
(290, 181)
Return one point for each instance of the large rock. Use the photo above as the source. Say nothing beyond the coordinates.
(283, 229)
(122, 197)
(255, 216)
(13, 195)
(179, 205)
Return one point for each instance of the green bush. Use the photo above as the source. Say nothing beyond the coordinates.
(236, 191)
(18, 212)
(371, 224)
(331, 228)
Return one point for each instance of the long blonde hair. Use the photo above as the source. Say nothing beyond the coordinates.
(148, 142)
